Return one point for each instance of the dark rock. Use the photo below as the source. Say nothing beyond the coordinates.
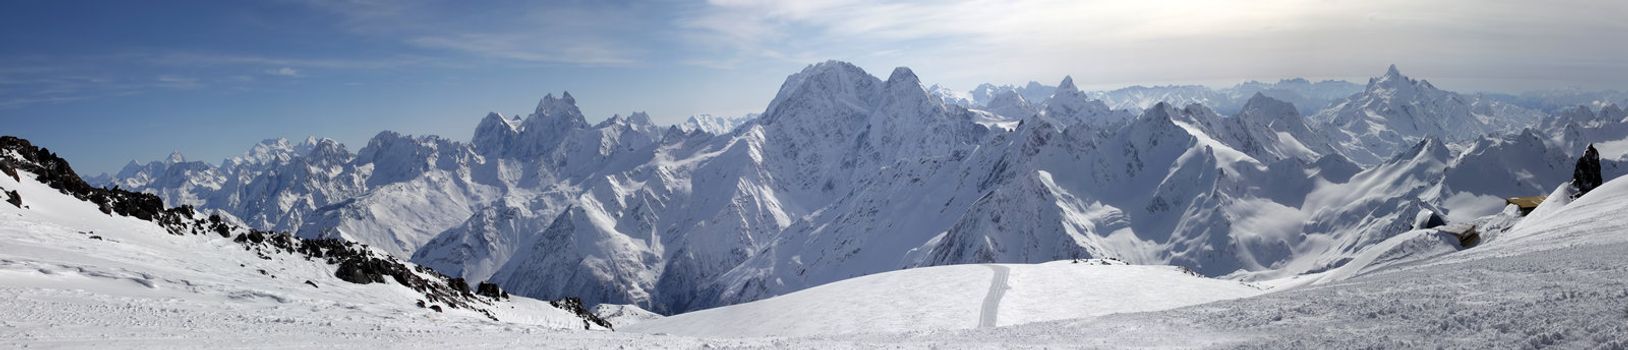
(222, 230)
(437, 308)
(1434, 221)
(14, 198)
(459, 285)
(313, 284)
(359, 271)
(1587, 175)
(8, 171)
(574, 305)
(491, 290)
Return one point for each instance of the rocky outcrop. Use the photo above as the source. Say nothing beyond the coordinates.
(1587, 175)
(491, 290)
(574, 305)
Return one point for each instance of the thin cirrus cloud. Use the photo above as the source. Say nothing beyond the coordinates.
(584, 33)
(524, 48)
(284, 72)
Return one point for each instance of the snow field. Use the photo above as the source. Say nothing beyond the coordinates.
(956, 297)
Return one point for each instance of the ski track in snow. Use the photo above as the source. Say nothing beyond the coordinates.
(992, 302)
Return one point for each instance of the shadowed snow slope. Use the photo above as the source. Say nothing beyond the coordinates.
(957, 297)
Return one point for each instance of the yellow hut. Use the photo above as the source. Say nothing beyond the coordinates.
(1526, 204)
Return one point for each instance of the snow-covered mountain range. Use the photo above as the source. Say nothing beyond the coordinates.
(1308, 96)
(1395, 111)
(847, 174)
(715, 124)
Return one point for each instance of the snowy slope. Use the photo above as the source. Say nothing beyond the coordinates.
(65, 262)
(1560, 286)
(954, 297)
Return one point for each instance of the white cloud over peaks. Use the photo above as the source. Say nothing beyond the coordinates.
(1116, 42)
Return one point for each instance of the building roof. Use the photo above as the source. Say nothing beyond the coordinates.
(1527, 202)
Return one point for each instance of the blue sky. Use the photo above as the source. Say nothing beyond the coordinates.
(105, 82)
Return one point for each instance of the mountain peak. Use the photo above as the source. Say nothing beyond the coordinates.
(831, 85)
(639, 118)
(1162, 111)
(495, 119)
(175, 157)
(903, 75)
(1394, 80)
(831, 67)
(559, 110)
(275, 143)
(1261, 105)
(1067, 85)
(494, 133)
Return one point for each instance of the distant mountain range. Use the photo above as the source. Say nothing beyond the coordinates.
(848, 174)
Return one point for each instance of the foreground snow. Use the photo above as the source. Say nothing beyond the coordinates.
(957, 297)
(1555, 279)
(73, 276)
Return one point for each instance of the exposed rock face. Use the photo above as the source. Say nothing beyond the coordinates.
(1587, 175)
(55, 172)
(491, 290)
(13, 198)
(574, 305)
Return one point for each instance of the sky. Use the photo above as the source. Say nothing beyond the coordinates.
(106, 82)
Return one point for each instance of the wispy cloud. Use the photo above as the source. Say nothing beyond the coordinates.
(525, 48)
(588, 33)
(283, 72)
(178, 82)
(277, 62)
(44, 79)
(59, 86)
